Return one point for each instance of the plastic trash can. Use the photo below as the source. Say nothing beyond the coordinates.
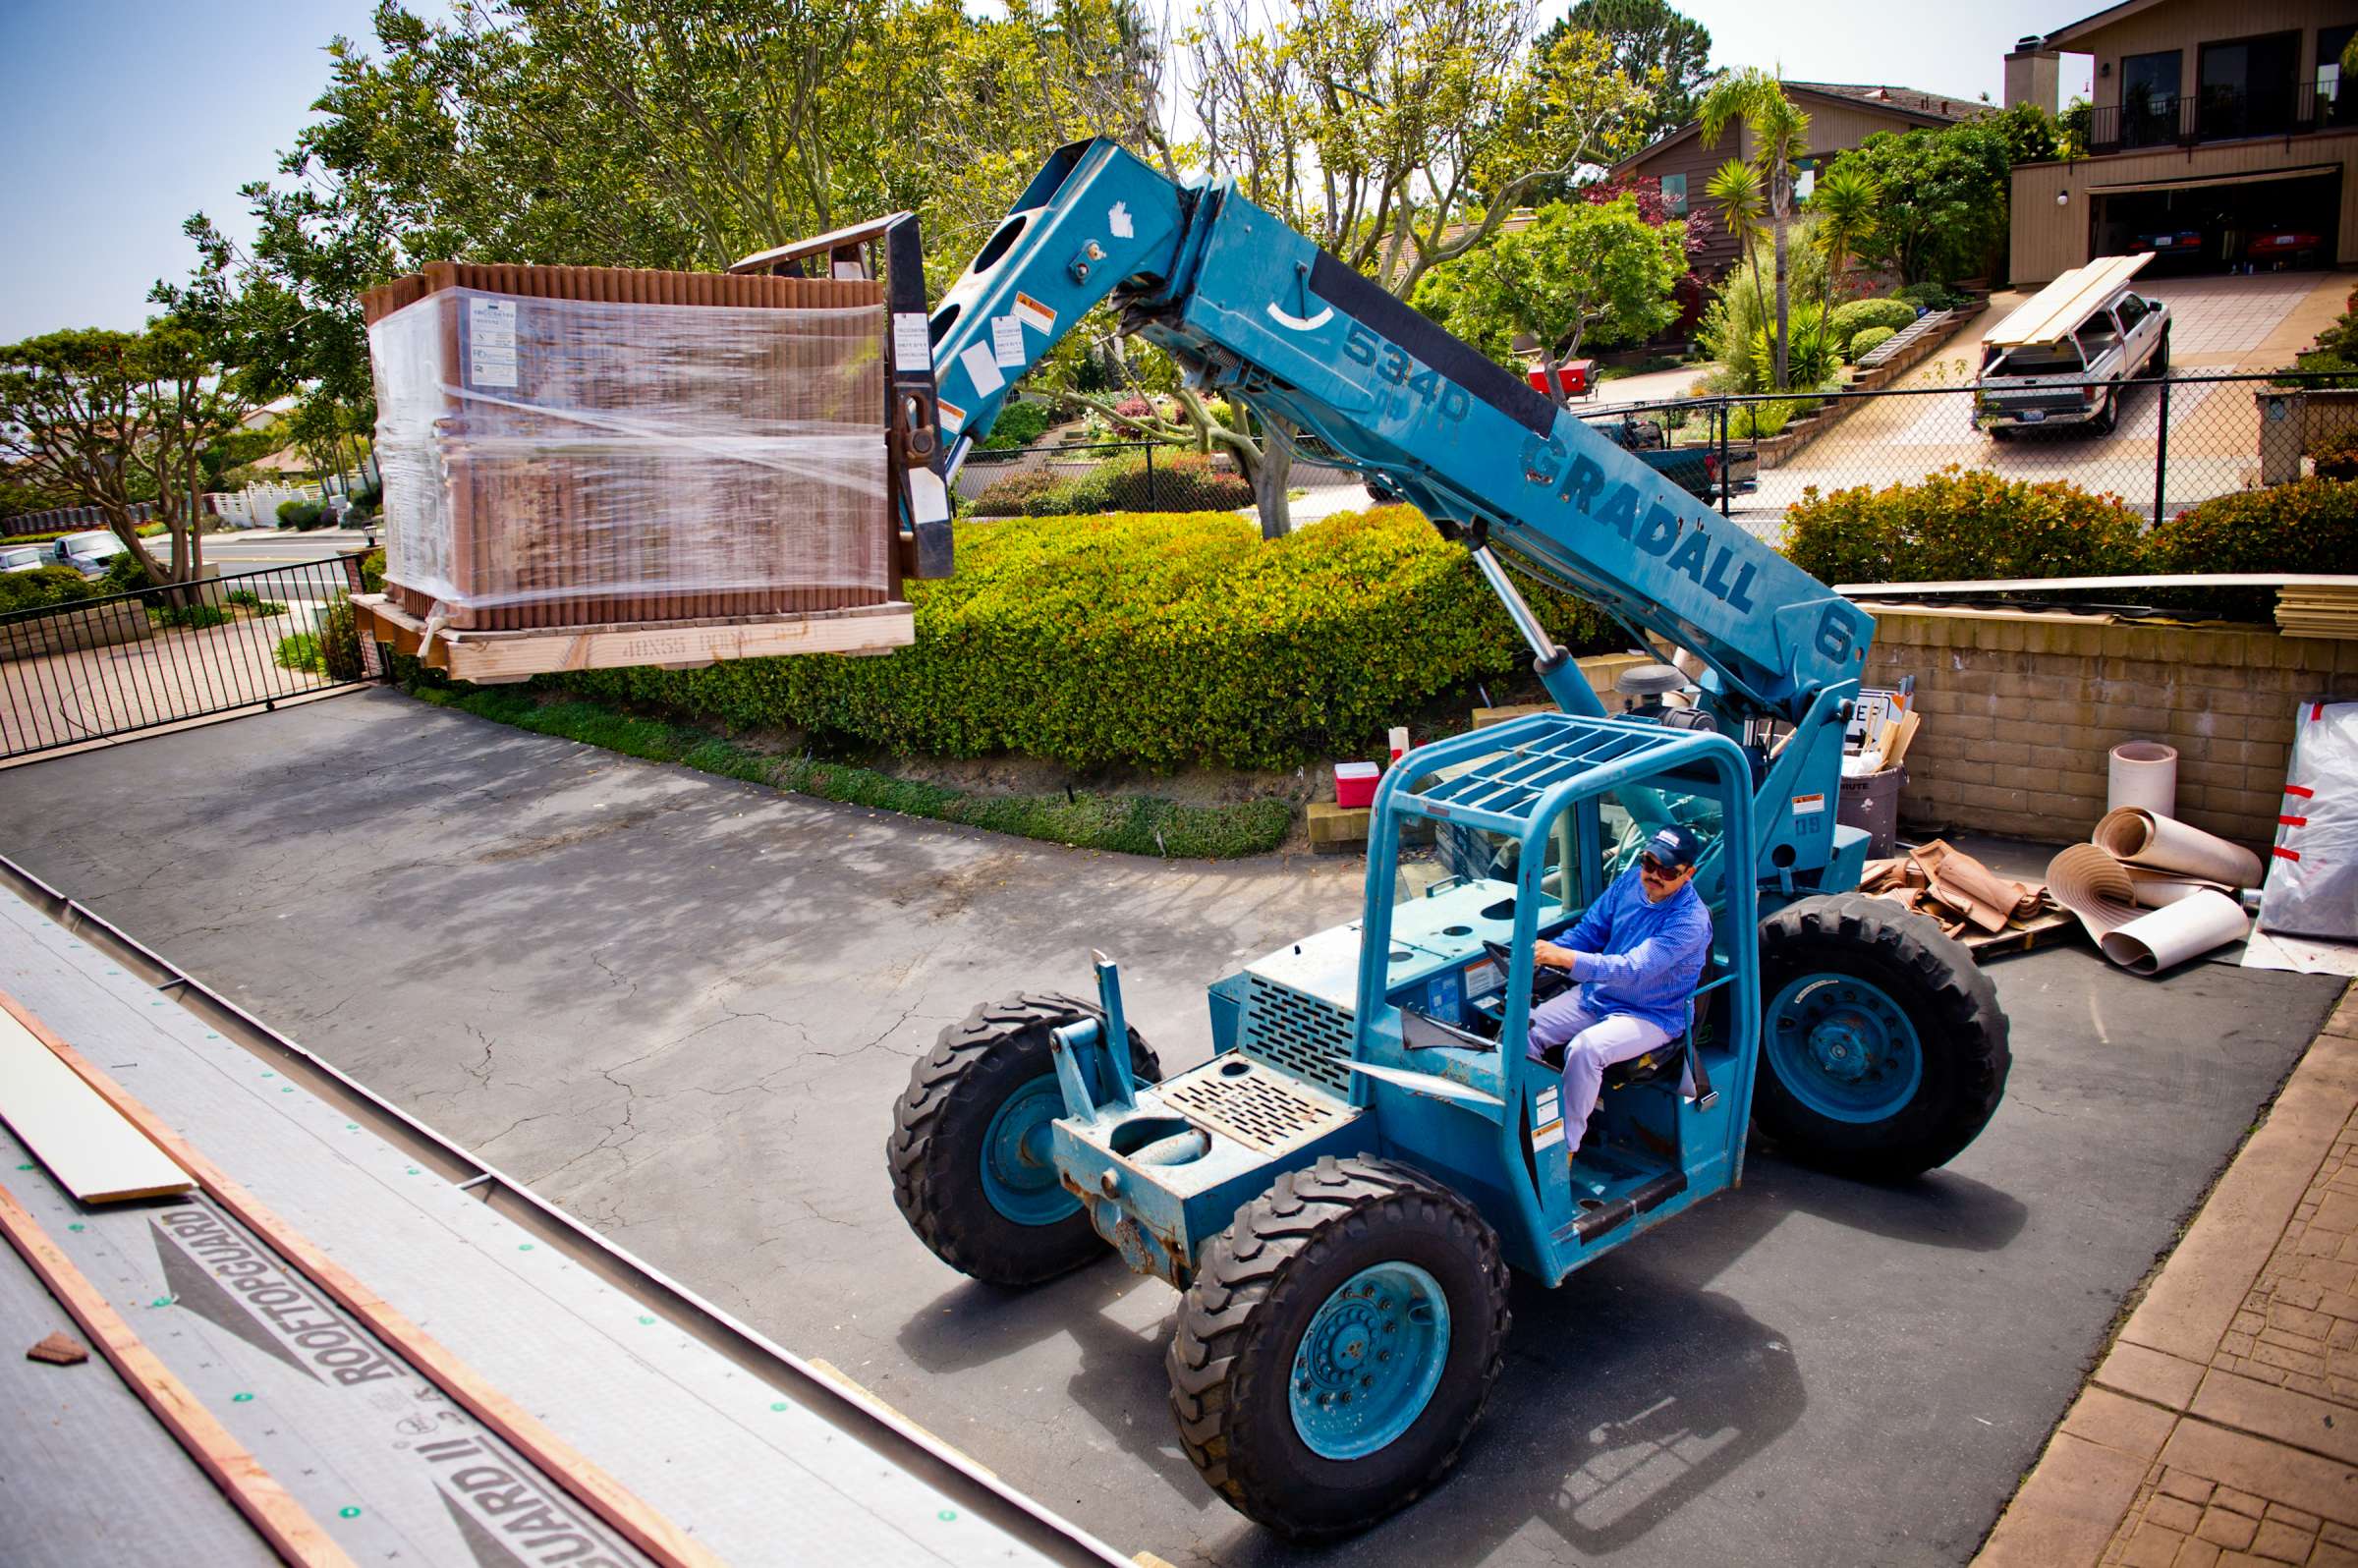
(1872, 802)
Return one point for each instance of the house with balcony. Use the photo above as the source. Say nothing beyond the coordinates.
(2219, 135)
(1841, 116)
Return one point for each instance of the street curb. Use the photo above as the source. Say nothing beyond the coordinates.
(2156, 1399)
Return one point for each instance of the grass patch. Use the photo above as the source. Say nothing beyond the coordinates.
(1127, 824)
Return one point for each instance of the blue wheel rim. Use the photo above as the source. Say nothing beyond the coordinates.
(1843, 1048)
(1367, 1366)
(1019, 1162)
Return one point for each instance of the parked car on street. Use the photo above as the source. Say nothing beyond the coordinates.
(22, 558)
(89, 553)
(2064, 356)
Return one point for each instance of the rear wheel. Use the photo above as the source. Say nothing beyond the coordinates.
(971, 1149)
(1884, 1045)
(1337, 1345)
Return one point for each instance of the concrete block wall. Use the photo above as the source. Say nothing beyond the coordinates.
(2021, 713)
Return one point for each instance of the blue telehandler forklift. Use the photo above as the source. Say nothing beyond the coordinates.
(1340, 1191)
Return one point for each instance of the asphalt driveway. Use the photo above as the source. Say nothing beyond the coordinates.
(682, 1007)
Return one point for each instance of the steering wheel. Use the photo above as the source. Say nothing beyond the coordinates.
(1546, 981)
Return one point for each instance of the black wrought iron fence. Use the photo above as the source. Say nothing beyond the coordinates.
(2160, 444)
(1120, 476)
(85, 669)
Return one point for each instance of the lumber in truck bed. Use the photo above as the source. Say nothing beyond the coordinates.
(355, 1341)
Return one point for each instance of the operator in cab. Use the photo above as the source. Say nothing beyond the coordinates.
(1636, 956)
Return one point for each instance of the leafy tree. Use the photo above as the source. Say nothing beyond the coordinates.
(1736, 189)
(1397, 133)
(1946, 195)
(1579, 272)
(654, 133)
(1779, 135)
(109, 419)
(1654, 45)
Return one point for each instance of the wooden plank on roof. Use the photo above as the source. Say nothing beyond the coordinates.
(87, 1145)
(266, 1504)
(2055, 311)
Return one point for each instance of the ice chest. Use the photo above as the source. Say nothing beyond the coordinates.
(1355, 784)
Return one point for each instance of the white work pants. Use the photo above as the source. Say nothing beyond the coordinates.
(1592, 1043)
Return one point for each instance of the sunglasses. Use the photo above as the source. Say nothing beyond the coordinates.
(1652, 867)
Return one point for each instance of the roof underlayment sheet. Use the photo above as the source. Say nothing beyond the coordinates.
(370, 1448)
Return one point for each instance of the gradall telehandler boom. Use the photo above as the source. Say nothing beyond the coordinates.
(1339, 1191)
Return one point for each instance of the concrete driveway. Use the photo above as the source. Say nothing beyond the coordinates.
(684, 1006)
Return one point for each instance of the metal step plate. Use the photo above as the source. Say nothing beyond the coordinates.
(1265, 1110)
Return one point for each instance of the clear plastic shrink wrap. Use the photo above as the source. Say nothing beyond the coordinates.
(626, 457)
(2313, 875)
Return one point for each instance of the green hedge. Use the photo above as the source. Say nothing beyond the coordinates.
(44, 587)
(1961, 524)
(1120, 484)
(1848, 320)
(1148, 640)
(1866, 340)
(2307, 526)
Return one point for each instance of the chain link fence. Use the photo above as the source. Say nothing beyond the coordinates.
(2160, 444)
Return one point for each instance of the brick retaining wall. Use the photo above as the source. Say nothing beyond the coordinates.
(2021, 712)
(75, 630)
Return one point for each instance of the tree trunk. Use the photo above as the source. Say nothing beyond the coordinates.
(1782, 369)
(1270, 474)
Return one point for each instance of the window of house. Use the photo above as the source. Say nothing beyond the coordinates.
(1674, 195)
(2248, 85)
(2149, 97)
(2333, 104)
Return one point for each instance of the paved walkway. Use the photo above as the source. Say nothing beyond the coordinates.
(2222, 1428)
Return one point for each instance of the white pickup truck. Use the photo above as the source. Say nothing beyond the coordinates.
(2064, 356)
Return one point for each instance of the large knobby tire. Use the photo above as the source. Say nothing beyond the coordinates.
(1355, 1279)
(1883, 1046)
(969, 1149)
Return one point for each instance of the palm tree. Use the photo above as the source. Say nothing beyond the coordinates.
(1844, 201)
(1779, 135)
(1737, 191)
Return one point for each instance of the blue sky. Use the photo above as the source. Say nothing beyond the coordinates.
(122, 118)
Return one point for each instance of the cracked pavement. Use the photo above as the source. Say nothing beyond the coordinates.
(683, 1006)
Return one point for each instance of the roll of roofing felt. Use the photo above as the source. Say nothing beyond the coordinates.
(2094, 886)
(2160, 843)
(2144, 773)
(2159, 889)
(2167, 937)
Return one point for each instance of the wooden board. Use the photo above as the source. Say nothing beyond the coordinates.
(645, 1527)
(492, 657)
(2020, 936)
(282, 1521)
(92, 1150)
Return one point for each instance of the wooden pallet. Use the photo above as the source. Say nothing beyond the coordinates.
(2020, 936)
(492, 659)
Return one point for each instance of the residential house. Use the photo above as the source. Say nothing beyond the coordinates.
(2219, 135)
(1841, 116)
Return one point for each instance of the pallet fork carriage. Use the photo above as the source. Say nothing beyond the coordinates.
(1340, 1191)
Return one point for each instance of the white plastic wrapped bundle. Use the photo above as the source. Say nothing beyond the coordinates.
(671, 447)
(2313, 875)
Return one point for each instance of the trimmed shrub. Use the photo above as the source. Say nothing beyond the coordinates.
(299, 514)
(44, 587)
(1849, 321)
(1019, 423)
(1010, 493)
(1869, 339)
(193, 617)
(372, 572)
(1150, 639)
(2335, 457)
(1124, 484)
(1961, 523)
(2308, 526)
(1934, 295)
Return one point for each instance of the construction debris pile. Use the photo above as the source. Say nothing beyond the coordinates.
(1969, 901)
(2152, 891)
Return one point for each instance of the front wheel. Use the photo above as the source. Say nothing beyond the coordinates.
(971, 1146)
(1337, 1345)
(1884, 1046)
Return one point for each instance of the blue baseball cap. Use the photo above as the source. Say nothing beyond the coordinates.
(1675, 846)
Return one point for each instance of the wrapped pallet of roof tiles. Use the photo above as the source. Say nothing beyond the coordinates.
(572, 447)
